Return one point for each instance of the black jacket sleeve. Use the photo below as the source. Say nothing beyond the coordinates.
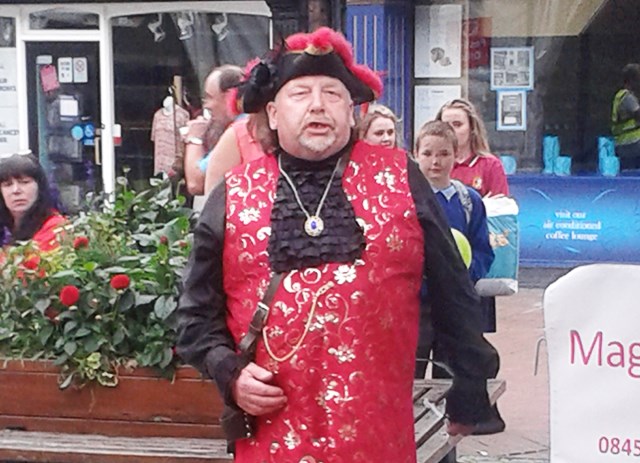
(455, 310)
(204, 340)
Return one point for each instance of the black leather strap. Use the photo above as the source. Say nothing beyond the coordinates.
(248, 343)
(344, 160)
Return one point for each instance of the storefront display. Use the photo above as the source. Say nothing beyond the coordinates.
(80, 82)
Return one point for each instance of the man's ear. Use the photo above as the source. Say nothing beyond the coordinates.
(271, 115)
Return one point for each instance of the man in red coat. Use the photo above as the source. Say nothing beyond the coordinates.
(351, 229)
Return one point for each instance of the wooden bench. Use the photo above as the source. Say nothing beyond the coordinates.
(432, 441)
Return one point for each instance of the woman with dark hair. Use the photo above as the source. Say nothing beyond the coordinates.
(27, 209)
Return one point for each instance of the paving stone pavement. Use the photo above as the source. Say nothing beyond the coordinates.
(525, 404)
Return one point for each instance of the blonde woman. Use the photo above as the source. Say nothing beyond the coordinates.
(475, 165)
(379, 126)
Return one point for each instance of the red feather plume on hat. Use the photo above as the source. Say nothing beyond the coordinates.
(325, 40)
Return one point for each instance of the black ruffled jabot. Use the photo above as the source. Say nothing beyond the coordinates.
(289, 246)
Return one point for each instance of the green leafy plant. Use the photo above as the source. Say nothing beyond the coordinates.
(105, 299)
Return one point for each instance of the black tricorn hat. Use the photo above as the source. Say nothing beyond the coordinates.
(323, 52)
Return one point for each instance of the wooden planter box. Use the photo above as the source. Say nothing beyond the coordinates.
(142, 405)
(146, 419)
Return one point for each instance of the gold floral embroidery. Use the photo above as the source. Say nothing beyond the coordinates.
(386, 321)
(394, 242)
(275, 332)
(347, 432)
(322, 320)
(343, 353)
(282, 307)
(335, 395)
(385, 178)
(249, 215)
(344, 274)
(291, 439)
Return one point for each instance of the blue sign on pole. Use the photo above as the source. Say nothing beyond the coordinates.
(89, 134)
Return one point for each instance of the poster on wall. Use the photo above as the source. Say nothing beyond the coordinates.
(512, 68)
(478, 37)
(438, 41)
(428, 99)
(512, 110)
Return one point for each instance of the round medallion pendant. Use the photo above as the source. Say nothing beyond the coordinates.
(313, 226)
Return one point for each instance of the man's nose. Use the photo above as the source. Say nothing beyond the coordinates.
(317, 101)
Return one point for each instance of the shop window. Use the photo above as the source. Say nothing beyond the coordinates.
(170, 54)
(550, 67)
(61, 19)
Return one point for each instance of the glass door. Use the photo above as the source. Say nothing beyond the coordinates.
(64, 116)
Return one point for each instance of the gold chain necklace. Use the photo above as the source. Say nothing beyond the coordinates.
(313, 225)
(323, 289)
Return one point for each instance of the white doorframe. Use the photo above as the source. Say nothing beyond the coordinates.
(101, 36)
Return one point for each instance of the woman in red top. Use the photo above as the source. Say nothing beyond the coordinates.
(26, 207)
(475, 165)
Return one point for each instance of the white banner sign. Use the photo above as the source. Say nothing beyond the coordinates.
(592, 324)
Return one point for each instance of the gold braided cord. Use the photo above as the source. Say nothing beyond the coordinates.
(307, 327)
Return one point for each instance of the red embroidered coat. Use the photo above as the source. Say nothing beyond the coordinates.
(347, 371)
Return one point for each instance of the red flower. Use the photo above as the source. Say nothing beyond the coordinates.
(32, 262)
(69, 295)
(120, 281)
(80, 242)
(164, 240)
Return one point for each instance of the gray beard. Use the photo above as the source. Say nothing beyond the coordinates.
(318, 145)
